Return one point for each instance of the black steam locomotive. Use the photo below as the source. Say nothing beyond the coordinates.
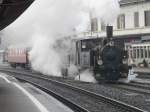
(110, 61)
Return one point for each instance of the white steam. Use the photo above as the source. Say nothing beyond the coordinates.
(86, 76)
(106, 10)
(43, 56)
(131, 76)
(47, 23)
(73, 71)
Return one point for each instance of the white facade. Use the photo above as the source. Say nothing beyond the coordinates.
(128, 10)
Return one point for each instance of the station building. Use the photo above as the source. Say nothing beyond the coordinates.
(132, 24)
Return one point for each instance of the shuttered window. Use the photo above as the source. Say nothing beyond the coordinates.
(94, 24)
(136, 19)
(103, 26)
(121, 21)
(147, 18)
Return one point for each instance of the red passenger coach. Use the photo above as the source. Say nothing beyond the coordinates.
(18, 57)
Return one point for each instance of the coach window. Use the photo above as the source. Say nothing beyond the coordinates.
(19, 51)
(22, 51)
(12, 52)
(15, 52)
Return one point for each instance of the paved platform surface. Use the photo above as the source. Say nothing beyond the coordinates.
(146, 70)
(23, 97)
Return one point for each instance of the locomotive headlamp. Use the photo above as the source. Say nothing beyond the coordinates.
(100, 62)
(125, 61)
(111, 43)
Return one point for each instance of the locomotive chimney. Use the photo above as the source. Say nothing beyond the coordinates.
(109, 32)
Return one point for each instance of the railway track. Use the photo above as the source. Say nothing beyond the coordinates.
(100, 98)
(139, 85)
(75, 107)
(141, 88)
(133, 87)
(143, 75)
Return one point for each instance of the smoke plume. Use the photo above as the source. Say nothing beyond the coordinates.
(47, 24)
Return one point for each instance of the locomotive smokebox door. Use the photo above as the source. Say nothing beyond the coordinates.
(109, 32)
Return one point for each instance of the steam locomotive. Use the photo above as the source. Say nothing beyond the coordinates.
(104, 57)
(110, 63)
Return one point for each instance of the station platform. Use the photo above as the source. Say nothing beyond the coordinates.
(145, 70)
(23, 97)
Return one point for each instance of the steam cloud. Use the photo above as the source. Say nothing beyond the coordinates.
(47, 23)
(86, 76)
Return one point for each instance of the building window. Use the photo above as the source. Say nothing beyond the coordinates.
(148, 51)
(138, 52)
(136, 19)
(121, 21)
(147, 18)
(94, 24)
(103, 26)
(134, 52)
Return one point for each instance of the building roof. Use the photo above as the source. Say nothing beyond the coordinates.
(127, 2)
(10, 10)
